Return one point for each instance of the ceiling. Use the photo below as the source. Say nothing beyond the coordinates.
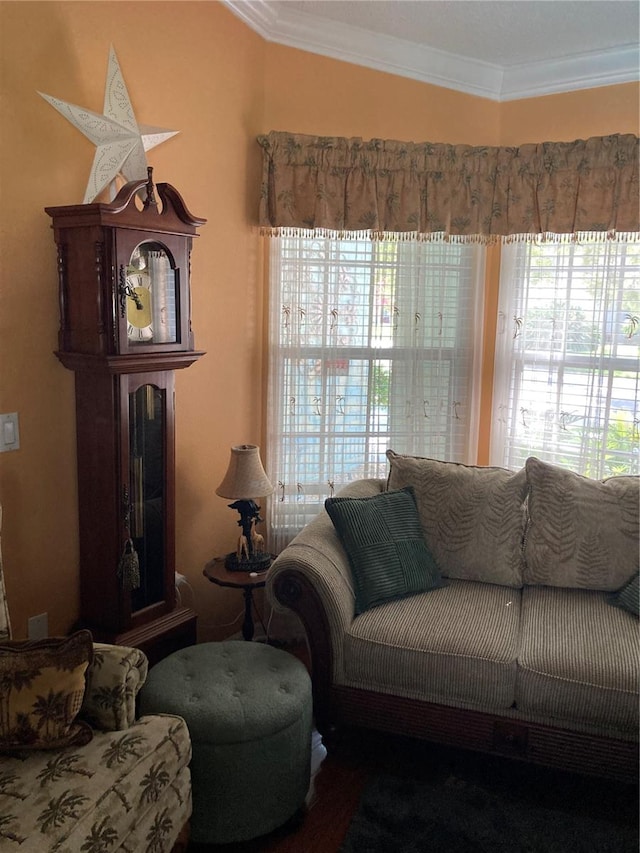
(498, 49)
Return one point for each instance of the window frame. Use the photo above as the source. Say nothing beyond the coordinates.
(371, 351)
(611, 280)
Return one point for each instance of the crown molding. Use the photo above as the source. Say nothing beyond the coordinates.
(439, 68)
(583, 71)
(257, 14)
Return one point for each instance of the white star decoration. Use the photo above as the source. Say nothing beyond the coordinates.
(120, 142)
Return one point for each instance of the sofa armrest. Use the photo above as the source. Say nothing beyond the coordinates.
(114, 678)
(312, 577)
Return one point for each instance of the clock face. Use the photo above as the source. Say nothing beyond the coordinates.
(139, 307)
(151, 296)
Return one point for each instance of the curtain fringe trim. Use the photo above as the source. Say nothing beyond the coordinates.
(576, 237)
(443, 237)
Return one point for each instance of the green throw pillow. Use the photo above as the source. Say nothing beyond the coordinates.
(387, 552)
(628, 597)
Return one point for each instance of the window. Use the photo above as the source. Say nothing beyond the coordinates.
(567, 379)
(373, 344)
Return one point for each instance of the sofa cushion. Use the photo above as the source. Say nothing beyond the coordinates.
(456, 645)
(384, 543)
(121, 787)
(580, 532)
(43, 685)
(578, 658)
(472, 516)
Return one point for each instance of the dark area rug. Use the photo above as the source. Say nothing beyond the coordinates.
(464, 815)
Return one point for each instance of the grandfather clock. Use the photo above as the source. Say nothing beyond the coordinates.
(125, 328)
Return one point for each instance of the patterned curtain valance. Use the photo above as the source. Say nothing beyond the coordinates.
(469, 193)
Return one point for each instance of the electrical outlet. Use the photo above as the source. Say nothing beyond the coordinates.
(38, 627)
(9, 432)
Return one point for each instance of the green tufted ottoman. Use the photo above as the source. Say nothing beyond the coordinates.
(248, 710)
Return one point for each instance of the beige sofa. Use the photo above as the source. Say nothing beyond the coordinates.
(106, 779)
(523, 648)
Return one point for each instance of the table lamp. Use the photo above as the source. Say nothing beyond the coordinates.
(245, 480)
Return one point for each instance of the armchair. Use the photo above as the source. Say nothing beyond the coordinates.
(127, 789)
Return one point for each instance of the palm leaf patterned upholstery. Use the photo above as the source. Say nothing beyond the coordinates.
(129, 789)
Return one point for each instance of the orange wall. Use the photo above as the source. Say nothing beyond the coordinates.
(220, 84)
(572, 115)
(305, 93)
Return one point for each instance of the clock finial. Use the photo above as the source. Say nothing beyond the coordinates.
(150, 200)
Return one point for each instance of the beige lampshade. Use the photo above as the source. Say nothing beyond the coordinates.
(245, 478)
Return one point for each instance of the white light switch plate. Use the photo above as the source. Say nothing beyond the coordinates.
(9, 432)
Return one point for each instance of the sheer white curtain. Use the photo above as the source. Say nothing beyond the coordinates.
(373, 344)
(567, 381)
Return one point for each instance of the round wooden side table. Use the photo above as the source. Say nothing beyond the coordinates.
(216, 572)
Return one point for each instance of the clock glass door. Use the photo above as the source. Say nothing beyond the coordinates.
(147, 437)
(152, 316)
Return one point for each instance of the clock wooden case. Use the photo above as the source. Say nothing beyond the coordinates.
(125, 328)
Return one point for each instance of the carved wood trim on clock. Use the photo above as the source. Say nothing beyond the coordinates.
(131, 363)
(125, 328)
(62, 292)
(99, 266)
